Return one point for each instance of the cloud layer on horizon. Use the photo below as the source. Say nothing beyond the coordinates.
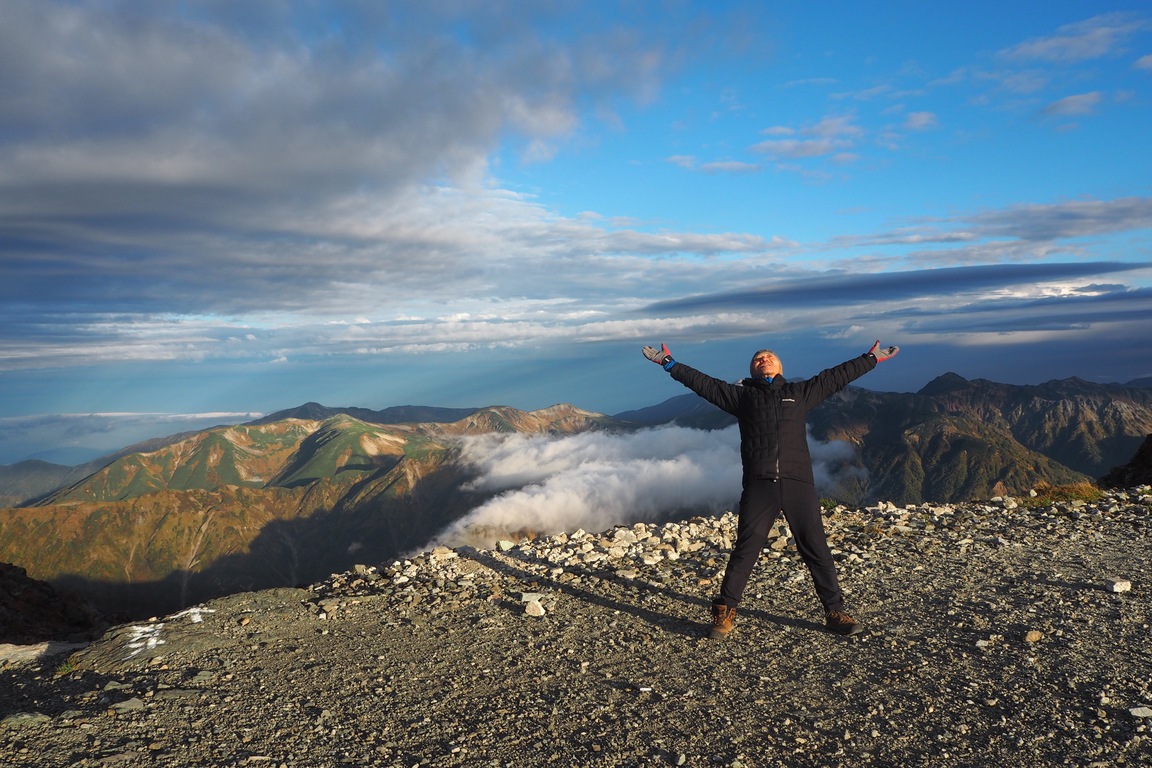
(251, 186)
(76, 438)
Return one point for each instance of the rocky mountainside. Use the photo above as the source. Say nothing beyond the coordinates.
(255, 506)
(998, 633)
(954, 439)
(293, 452)
(398, 414)
(1138, 471)
(285, 501)
(29, 482)
(29, 479)
(32, 611)
(957, 439)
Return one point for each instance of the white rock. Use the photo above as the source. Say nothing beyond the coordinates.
(625, 536)
(1118, 585)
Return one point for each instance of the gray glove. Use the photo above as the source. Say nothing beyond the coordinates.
(882, 354)
(659, 356)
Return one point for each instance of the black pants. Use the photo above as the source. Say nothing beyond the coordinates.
(760, 504)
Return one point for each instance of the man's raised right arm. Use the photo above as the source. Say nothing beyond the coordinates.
(720, 393)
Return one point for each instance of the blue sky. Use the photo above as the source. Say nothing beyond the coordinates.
(213, 209)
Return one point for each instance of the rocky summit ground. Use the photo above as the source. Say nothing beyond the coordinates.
(997, 635)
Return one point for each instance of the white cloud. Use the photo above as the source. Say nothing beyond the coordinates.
(214, 182)
(800, 148)
(830, 135)
(836, 126)
(729, 166)
(527, 253)
(1090, 39)
(1080, 104)
(920, 121)
(596, 480)
(231, 166)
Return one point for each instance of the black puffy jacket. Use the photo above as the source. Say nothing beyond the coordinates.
(773, 415)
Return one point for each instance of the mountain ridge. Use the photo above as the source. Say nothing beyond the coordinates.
(254, 506)
(397, 414)
(957, 438)
(270, 503)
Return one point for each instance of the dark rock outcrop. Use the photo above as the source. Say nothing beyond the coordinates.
(32, 611)
(1138, 471)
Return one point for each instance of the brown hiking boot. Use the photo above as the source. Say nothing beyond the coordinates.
(841, 623)
(723, 617)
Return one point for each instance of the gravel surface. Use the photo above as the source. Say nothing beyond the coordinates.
(995, 635)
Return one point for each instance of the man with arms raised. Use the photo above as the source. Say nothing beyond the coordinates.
(772, 414)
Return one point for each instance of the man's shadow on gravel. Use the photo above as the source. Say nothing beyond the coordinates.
(667, 621)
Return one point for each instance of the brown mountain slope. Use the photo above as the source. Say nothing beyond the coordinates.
(1087, 427)
(255, 506)
(959, 439)
(280, 503)
(296, 452)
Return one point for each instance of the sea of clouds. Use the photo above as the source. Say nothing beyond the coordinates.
(547, 484)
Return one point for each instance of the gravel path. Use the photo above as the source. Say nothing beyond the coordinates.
(996, 636)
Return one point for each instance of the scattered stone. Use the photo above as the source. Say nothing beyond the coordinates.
(19, 719)
(1118, 585)
(128, 705)
(432, 660)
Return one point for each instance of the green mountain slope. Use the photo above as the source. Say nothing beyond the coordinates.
(283, 502)
(342, 444)
(298, 452)
(244, 455)
(255, 506)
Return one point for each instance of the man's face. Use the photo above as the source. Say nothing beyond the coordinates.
(766, 363)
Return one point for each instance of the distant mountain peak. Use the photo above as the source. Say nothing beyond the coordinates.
(400, 414)
(948, 382)
(261, 503)
(563, 409)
